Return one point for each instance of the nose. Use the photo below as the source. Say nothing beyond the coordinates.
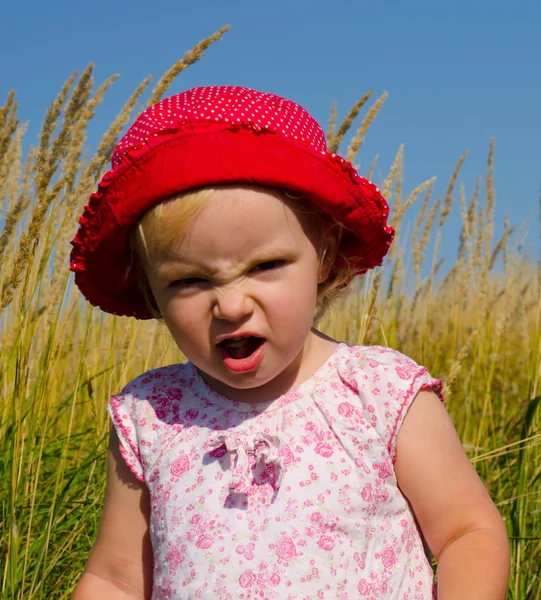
(232, 305)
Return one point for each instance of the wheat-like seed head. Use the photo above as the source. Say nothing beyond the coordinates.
(334, 142)
(395, 174)
(448, 199)
(427, 185)
(332, 124)
(488, 234)
(110, 137)
(8, 122)
(501, 246)
(358, 139)
(10, 180)
(415, 238)
(189, 58)
(43, 161)
(27, 245)
(366, 322)
(418, 256)
(372, 167)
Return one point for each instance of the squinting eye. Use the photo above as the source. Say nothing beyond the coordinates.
(186, 282)
(269, 265)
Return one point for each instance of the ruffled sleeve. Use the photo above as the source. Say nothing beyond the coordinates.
(388, 383)
(123, 411)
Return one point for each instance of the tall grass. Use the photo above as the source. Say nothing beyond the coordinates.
(478, 327)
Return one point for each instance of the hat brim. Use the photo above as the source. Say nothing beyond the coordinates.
(215, 154)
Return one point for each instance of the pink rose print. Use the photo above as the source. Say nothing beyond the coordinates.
(402, 373)
(285, 548)
(324, 449)
(388, 557)
(204, 541)
(384, 469)
(287, 455)
(247, 579)
(326, 542)
(363, 587)
(191, 414)
(345, 409)
(173, 559)
(274, 579)
(367, 493)
(180, 465)
(316, 517)
(247, 550)
(174, 394)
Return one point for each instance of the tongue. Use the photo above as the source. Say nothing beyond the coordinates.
(243, 351)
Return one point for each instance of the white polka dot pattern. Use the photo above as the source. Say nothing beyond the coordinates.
(224, 104)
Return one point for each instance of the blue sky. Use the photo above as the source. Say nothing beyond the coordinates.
(457, 73)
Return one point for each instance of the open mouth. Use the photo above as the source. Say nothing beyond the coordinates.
(242, 353)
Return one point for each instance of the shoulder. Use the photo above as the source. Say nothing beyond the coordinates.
(160, 393)
(169, 381)
(369, 363)
(158, 381)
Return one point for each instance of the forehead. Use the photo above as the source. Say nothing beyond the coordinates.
(238, 220)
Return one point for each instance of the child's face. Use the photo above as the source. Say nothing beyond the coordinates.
(247, 266)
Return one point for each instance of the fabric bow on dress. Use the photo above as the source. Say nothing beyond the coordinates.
(261, 446)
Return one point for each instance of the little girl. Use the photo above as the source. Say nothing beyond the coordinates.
(277, 463)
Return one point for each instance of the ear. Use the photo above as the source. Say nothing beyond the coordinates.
(330, 244)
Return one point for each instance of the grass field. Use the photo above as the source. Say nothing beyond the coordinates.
(477, 326)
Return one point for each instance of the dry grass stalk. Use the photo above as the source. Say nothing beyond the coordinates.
(372, 167)
(27, 245)
(332, 124)
(448, 199)
(366, 321)
(397, 274)
(358, 139)
(489, 223)
(8, 122)
(457, 364)
(465, 232)
(444, 213)
(78, 135)
(414, 194)
(419, 247)
(189, 58)
(73, 112)
(7, 107)
(62, 211)
(10, 167)
(334, 142)
(501, 246)
(417, 228)
(110, 138)
(11, 183)
(394, 178)
(43, 174)
(396, 172)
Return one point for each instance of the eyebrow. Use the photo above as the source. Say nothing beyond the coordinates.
(181, 262)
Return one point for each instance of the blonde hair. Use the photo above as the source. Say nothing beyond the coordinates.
(168, 221)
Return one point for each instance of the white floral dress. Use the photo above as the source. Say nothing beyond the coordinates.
(291, 499)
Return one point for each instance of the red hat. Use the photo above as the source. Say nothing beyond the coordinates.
(215, 136)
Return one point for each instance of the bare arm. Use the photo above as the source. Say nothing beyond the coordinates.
(459, 521)
(120, 564)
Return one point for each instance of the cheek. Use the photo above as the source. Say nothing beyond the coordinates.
(184, 316)
(295, 298)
